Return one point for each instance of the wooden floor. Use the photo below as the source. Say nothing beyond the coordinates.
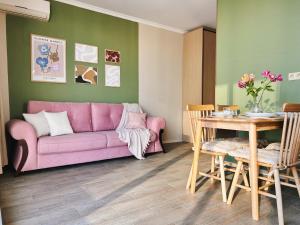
(129, 191)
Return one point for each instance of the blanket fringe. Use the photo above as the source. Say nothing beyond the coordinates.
(144, 150)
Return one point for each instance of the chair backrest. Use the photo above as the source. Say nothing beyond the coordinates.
(196, 112)
(228, 107)
(290, 141)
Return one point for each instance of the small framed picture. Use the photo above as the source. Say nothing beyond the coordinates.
(48, 59)
(112, 76)
(86, 53)
(86, 74)
(112, 56)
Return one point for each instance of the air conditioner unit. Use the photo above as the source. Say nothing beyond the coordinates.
(37, 9)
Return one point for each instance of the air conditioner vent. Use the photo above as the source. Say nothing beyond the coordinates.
(37, 9)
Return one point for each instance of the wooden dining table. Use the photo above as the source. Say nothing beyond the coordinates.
(239, 123)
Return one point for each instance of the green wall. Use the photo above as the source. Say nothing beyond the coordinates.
(254, 35)
(74, 25)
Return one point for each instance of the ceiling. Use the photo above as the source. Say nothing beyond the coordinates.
(175, 15)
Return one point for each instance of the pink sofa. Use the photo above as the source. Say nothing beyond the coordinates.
(94, 136)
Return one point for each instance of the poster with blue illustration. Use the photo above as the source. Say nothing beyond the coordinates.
(48, 59)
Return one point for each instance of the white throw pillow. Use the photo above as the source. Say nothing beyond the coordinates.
(39, 122)
(59, 123)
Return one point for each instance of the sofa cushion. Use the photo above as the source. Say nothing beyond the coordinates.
(136, 120)
(39, 122)
(79, 114)
(59, 123)
(106, 116)
(113, 139)
(72, 142)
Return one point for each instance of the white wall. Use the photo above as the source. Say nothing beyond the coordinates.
(160, 77)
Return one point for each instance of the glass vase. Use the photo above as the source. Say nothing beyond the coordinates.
(256, 106)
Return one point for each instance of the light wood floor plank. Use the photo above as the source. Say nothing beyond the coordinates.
(128, 191)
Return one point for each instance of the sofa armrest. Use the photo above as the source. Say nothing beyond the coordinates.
(26, 136)
(156, 124)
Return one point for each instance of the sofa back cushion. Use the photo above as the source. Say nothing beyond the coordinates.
(79, 114)
(106, 116)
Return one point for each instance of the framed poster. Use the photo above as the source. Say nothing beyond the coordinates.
(86, 53)
(48, 59)
(112, 56)
(112, 76)
(86, 74)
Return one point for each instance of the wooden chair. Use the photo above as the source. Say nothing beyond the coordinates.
(228, 133)
(209, 143)
(285, 159)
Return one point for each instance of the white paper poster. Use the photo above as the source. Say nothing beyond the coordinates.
(86, 53)
(112, 76)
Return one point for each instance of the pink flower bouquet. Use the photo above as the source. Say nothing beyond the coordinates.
(247, 82)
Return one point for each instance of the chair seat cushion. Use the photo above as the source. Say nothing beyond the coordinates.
(225, 145)
(274, 146)
(72, 142)
(264, 156)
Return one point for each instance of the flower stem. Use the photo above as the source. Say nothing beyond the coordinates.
(263, 90)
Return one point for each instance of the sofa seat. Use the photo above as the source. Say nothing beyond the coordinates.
(114, 141)
(82, 142)
(72, 142)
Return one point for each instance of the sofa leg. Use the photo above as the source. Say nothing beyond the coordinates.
(161, 131)
(24, 156)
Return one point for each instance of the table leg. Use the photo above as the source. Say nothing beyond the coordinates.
(196, 157)
(254, 171)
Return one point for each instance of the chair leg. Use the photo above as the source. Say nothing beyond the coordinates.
(223, 180)
(268, 177)
(234, 182)
(296, 177)
(188, 184)
(245, 178)
(278, 197)
(288, 172)
(196, 157)
(212, 168)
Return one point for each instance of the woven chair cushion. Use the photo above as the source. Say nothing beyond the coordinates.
(225, 145)
(270, 156)
(274, 146)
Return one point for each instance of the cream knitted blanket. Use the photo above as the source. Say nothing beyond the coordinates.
(137, 139)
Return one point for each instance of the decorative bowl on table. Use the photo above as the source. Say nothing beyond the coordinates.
(225, 113)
